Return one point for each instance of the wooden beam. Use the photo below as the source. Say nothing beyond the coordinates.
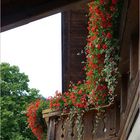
(16, 13)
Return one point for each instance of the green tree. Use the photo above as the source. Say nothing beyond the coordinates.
(15, 97)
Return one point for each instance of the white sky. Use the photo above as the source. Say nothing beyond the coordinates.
(36, 49)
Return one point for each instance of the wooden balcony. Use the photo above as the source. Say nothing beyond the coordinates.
(59, 127)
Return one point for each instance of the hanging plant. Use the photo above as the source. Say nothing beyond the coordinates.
(35, 120)
(97, 91)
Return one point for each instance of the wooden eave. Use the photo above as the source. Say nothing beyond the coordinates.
(15, 13)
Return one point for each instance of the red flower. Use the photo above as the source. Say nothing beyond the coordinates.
(114, 2)
(99, 46)
(109, 16)
(88, 82)
(103, 33)
(101, 1)
(36, 128)
(104, 46)
(112, 8)
(109, 24)
(80, 92)
(99, 56)
(91, 9)
(104, 25)
(79, 82)
(93, 92)
(64, 99)
(92, 38)
(97, 11)
(87, 51)
(94, 66)
(89, 73)
(93, 29)
(75, 87)
(70, 85)
(103, 19)
(88, 28)
(109, 35)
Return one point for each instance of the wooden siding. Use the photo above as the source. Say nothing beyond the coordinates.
(74, 34)
(129, 67)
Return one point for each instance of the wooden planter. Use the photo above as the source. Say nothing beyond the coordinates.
(48, 113)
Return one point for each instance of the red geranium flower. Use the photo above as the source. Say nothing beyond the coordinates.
(101, 1)
(112, 8)
(99, 46)
(109, 35)
(104, 46)
(114, 2)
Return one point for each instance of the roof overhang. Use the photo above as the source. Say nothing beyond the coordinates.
(15, 13)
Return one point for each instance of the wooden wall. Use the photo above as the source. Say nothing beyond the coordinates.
(74, 34)
(129, 68)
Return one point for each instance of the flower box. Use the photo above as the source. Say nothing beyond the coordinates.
(47, 113)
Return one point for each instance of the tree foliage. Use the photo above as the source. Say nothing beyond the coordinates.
(15, 96)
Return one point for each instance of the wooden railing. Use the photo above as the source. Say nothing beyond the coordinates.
(59, 125)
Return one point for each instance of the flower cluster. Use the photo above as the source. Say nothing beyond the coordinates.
(75, 98)
(33, 120)
(102, 57)
(101, 67)
(102, 52)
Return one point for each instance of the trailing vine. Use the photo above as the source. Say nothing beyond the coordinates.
(71, 122)
(80, 126)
